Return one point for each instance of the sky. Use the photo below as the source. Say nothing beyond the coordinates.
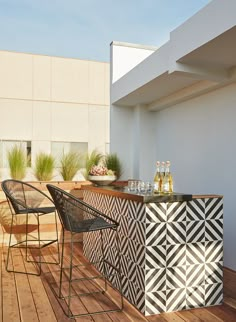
(84, 29)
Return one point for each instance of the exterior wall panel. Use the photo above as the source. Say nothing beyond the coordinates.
(69, 122)
(16, 75)
(16, 119)
(44, 99)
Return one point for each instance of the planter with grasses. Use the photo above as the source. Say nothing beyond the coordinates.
(44, 166)
(17, 160)
(103, 169)
(70, 164)
(94, 158)
(112, 162)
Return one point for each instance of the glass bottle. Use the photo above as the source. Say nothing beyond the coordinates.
(171, 184)
(162, 176)
(157, 178)
(168, 179)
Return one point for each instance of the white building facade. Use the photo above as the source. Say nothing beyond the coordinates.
(52, 104)
(179, 104)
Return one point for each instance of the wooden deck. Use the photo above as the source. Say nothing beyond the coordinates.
(28, 298)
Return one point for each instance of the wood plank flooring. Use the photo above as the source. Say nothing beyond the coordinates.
(29, 298)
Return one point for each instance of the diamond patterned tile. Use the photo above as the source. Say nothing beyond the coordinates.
(172, 253)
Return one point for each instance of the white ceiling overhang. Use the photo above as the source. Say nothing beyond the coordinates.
(190, 64)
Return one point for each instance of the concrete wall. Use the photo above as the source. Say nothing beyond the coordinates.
(44, 99)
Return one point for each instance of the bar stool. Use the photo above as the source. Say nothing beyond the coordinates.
(25, 199)
(78, 217)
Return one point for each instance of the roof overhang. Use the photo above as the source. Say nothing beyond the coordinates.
(189, 64)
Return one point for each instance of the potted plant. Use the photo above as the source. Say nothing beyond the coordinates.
(101, 176)
(17, 160)
(70, 164)
(112, 162)
(44, 166)
(94, 158)
(106, 170)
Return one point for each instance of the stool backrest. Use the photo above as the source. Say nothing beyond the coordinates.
(23, 196)
(74, 213)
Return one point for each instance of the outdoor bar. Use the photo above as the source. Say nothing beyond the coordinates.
(171, 247)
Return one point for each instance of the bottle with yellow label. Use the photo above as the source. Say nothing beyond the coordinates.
(168, 179)
(163, 164)
(171, 182)
(157, 178)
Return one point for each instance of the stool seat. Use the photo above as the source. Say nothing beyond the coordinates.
(90, 225)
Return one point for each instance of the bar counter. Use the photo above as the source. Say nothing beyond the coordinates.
(171, 247)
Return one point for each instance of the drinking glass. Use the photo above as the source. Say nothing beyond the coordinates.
(149, 187)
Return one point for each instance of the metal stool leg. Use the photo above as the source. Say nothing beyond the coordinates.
(58, 248)
(103, 260)
(70, 275)
(9, 245)
(119, 269)
(39, 244)
(39, 250)
(62, 263)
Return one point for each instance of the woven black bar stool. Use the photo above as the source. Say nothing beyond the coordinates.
(78, 217)
(25, 199)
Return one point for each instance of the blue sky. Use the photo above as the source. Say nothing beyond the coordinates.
(85, 28)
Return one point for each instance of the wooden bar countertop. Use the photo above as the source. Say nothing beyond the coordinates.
(122, 192)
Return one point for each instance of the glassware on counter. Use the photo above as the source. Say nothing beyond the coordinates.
(139, 186)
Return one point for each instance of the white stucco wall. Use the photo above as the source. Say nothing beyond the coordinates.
(195, 132)
(44, 99)
(132, 139)
(198, 137)
(127, 56)
(121, 131)
(206, 24)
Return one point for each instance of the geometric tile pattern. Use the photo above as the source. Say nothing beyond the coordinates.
(171, 253)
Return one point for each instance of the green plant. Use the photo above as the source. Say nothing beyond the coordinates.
(17, 161)
(112, 162)
(92, 159)
(70, 164)
(44, 166)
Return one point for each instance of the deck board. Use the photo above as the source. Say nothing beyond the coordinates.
(27, 307)
(10, 307)
(42, 302)
(27, 298)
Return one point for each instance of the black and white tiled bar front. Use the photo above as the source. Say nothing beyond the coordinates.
(171, 247)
